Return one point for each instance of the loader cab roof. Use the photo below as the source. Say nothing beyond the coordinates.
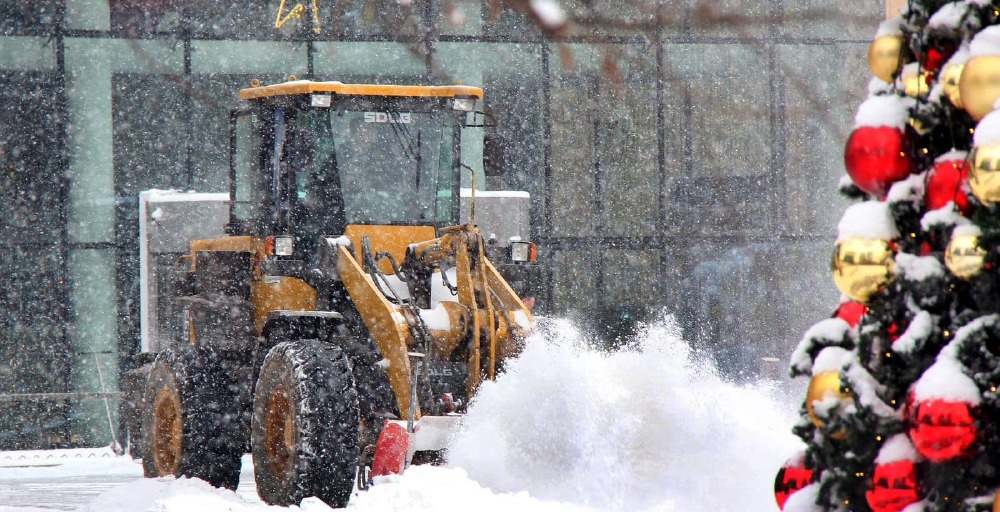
(301, 87)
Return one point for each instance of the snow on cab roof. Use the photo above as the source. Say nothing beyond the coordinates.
(296, 87)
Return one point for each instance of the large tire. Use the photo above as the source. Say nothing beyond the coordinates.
(305, 425)
(190, 420)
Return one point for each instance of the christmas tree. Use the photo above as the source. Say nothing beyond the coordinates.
(902, 408)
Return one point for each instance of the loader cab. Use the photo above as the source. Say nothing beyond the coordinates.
(311, 158)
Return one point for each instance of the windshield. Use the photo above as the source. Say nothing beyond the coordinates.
(388, 166)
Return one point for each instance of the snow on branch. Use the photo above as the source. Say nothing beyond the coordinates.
(945, 216)
(986, 42)
(948, 16)
(897, 448)
(946, 379)
(916, 334)
(988, 130)
(910, 190)
(832, 332)
(918, 268)
(870, 219)
(884, 110)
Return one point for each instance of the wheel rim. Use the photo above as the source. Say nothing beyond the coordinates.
(279, 432)
(166, 432)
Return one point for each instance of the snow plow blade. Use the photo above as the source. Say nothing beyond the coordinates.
(396, 447)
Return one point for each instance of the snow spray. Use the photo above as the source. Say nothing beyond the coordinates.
(650, 427)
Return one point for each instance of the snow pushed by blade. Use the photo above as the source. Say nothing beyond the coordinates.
(184, 495)
(446, 489)
(650, 427)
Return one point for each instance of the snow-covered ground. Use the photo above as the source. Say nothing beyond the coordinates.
(566, 428)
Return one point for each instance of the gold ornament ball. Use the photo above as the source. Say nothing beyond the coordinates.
(984, 175)
(885, 57)
(996, 502)
(915, 84)
(822, 386)
(861, 267)
(963, 257)
(979, 85)
(950, 76)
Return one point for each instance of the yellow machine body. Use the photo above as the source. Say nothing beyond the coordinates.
(488, 317)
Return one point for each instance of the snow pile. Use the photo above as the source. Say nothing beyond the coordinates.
(988, 130)
(884, 110)
(649, 427)
(870, 220)
(986, 42)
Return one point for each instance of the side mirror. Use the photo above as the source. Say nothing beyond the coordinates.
(494, 162)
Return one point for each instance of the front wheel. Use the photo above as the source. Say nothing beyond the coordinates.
(305, 425)
(190, 419)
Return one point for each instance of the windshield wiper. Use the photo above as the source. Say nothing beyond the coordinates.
(405, 139)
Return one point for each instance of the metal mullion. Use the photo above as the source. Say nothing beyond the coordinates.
(62, 109)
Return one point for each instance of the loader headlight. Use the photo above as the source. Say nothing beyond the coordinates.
(464, 104)
(283, 246)
(521, 252)
(320, 100)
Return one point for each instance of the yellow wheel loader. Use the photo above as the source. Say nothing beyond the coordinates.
(344, 319)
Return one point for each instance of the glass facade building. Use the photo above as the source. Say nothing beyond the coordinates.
(682, 156)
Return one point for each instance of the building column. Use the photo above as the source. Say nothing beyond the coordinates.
(90, 65)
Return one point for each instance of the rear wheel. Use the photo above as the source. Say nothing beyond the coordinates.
(190, 420)
(305, 425)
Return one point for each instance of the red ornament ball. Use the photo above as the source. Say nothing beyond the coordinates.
(893, 486)
(876, 157)
(942, 430)
(792, 477)
(935, 57)
(851, 312)
(946, 183)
